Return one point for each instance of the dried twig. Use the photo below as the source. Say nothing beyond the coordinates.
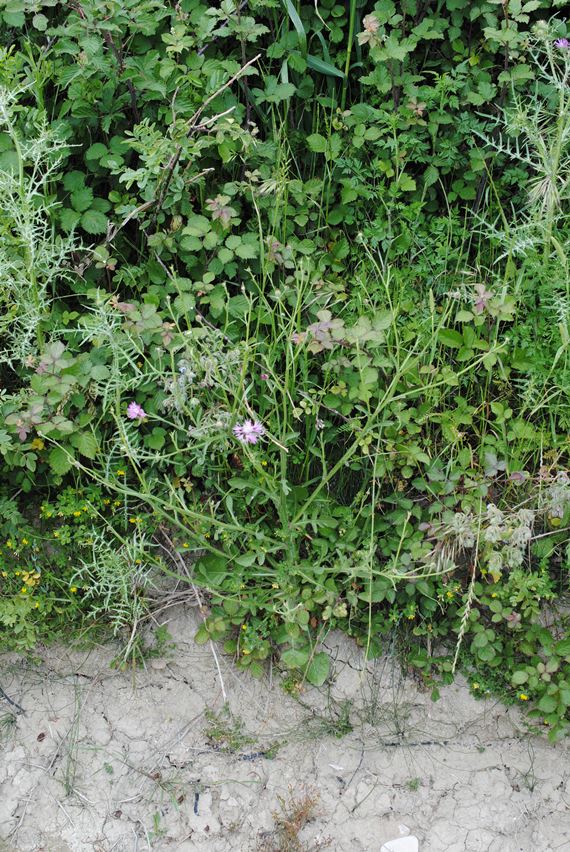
(13, 703)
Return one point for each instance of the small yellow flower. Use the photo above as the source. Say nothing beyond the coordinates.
(36, 605)
(56, 534)
(73, 589)
(17, 573)
(264, 463)
(37, 444)
(450, 594)
(4, 573)
(274, 585)
(523, 697)
(84, 508)
(120, 473)
(475, 686)
(244, 627)
(77, 514)
(117, 503)
(23, 590)
(25, 541)
(185, 544)
(106, 501)
(9, 544)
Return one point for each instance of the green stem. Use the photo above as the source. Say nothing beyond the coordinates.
(352, 20)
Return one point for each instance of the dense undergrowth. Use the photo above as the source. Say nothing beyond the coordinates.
(285, 319)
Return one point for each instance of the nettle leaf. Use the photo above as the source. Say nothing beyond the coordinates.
(406, 183)
(73, 181)
(81, 199)
(317, 143)
(86, 443)
(96, 151)
(563, 647)
(59, 461)
(331, 147)
(274, 91)
(94, 222)
(431, 175)
(69, 218)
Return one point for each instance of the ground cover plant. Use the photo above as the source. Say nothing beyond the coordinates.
(285, 325)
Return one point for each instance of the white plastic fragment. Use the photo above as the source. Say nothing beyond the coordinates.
(402, 844)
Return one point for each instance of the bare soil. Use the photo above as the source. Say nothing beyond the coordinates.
(152, 759)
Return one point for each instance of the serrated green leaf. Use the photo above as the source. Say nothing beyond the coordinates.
(59, 460)
(85, 443)
(431, 175)
(96, 151)
(81, 198)
(69, 218)
(406, 183)
(73, 180)
(317, 143)
(94, 222)
(562, 648)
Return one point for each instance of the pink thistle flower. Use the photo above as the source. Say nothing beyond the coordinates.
(135, 411)
(249, 432)
(562, 43)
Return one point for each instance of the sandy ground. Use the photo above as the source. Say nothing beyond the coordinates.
(107, 760)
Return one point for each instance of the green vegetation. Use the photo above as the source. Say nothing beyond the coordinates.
(285, 312)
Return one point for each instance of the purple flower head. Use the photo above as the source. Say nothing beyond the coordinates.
(249, 432)
(562, 43)
(481, 298)
(135, 411)
(264, 376)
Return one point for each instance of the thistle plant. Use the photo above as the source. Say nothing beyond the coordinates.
(33, 256)
(114, 580)
(535, 132)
